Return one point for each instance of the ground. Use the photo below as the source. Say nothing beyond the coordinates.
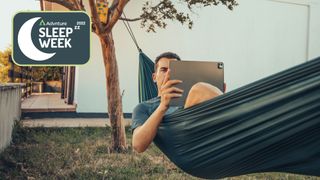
(82, 153)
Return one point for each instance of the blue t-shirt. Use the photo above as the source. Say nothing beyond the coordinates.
(144, 110)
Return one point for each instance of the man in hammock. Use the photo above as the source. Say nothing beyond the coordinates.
(148, 115)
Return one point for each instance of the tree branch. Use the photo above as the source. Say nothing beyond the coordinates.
(95, 19)
(114, 5)
(115, 16)
(127, 19)
(66, 3)
(78, 5)
(82, 6)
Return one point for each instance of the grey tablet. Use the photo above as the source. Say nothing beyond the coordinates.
(191, 72)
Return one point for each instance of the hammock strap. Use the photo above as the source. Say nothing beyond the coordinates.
(128, 27)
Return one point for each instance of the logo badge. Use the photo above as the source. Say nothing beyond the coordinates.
(51, 38)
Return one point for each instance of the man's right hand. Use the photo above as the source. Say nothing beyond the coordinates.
(167, 91)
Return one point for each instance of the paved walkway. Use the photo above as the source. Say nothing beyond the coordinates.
(69, 122)
(51, 102)
(46, 102)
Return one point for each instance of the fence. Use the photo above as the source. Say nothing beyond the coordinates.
(26, 89)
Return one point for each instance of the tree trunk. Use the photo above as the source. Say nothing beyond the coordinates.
(113, 94)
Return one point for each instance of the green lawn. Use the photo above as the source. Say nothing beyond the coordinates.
(82, 153)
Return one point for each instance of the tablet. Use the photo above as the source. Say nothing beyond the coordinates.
(191, 72)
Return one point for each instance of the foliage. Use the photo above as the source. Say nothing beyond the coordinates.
(4, 65)
(154, 13)
(157, 15)
(38, 73)
(52, 73)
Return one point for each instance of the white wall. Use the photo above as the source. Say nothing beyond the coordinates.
(255, 40)
(10, 111)
(90, 83)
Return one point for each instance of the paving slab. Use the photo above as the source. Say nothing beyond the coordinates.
(46, 102)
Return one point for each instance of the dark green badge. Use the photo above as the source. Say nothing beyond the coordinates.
(51, 38)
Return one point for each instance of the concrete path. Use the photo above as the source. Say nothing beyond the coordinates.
(69, 122)
(46, 102)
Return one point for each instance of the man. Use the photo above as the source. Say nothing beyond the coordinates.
(148, 115)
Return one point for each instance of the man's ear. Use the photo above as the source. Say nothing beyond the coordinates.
(154, 77)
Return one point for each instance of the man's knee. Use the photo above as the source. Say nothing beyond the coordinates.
(200, 92)
(201, 89)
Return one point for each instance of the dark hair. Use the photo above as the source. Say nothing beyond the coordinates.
(169, 55)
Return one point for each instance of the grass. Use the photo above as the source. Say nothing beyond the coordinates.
(83, 153)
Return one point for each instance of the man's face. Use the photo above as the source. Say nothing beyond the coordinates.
(160, 72)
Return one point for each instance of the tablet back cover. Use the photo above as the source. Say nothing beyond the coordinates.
(191, 72)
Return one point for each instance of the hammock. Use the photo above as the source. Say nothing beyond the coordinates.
(271, 125)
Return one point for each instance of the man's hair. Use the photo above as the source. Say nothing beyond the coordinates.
(169, 55)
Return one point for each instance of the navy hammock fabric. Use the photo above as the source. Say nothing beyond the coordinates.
(271, 125)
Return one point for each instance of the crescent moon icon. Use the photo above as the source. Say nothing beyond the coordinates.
(26, 45)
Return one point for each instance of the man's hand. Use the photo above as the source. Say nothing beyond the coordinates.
(167, 91)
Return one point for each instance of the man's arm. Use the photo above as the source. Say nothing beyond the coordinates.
(144, 134)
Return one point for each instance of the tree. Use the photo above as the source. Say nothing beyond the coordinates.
(46, 73)
(153, 16)
(4, 65)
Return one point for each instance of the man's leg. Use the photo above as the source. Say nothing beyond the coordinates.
(201, 92)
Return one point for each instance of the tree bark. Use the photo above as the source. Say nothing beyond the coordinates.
(113, 93)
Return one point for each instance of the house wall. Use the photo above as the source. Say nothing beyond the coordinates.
(255, 40)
